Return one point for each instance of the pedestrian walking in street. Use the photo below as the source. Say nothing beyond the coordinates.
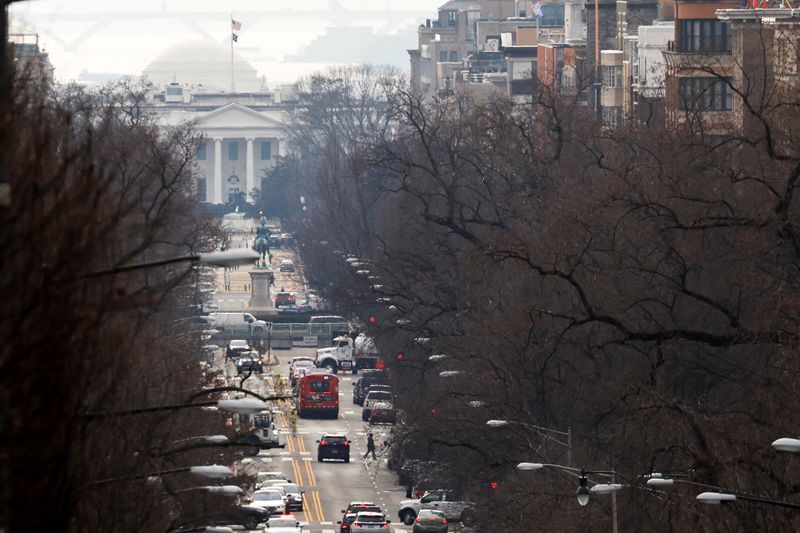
(370, 447)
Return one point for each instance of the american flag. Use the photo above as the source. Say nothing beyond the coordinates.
(537, 9)
(236, 25)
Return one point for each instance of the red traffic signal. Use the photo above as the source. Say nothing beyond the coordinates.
(373, 320)
(494, 484)
(400, 357)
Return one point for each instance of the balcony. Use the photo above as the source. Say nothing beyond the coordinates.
(708, 61)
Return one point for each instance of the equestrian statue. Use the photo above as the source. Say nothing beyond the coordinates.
(261, 244)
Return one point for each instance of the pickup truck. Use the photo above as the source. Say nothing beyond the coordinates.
(441, 500)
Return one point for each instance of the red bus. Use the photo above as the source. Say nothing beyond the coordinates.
(318, 394)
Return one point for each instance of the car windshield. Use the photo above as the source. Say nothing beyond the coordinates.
(380, 395)
(264, 476)
(304, 363)
(267, 496)
(282, 522)
(429, 513)
(365, 507)
(376, 519)
(334, 440)
(290, 487)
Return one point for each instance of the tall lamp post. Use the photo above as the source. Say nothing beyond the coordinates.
(225, 258)
(584, 491)
(718, 496)
(547, 431)
(207, 471)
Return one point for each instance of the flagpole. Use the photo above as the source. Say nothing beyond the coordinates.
(233, 89)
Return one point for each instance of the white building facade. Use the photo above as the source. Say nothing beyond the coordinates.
(243, 131)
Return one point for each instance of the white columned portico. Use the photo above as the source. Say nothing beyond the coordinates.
(250, 177)
(217, 198)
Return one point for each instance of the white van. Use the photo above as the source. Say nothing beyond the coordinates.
(232, 323)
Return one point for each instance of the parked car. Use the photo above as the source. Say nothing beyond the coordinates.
(270, 500)
(304, 366)
(359, 506)
(346, 522)
(284, 524)
(249, 362)
(284, 298)
(430, 521)
(235, 347)
(287, 265)
(263, 477)
(369, 521)
(440, 500)
(294, 495)
(249, 516)
(333, 446)
(373, 398)
(367, 379)
(382, 413)
(299, 359)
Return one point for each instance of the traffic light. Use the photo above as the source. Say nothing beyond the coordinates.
(373, 320)
(400, 357)
(494, 485)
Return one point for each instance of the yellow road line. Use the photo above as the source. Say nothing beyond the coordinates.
(320, 514)
(312, 481)
(298, 478)
(290, 443)
(301, 443)
(282, 418)
(309, 507)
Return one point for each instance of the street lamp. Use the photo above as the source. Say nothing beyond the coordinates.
(547, 431)
(717, 497)
(787, 444)
(450, 373)
(244, 406)
(225, 258)
(227, 490)
(583, 492)
(437, 357)
(207, 471)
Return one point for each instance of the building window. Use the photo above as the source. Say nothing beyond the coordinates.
(201, 151)
(705, 94)
(233, 193)
(442, 57)
(453, 56)
(612, 76)
(266, 150)
(233, 151)
(612, 116)
(452, 18)
(201, 190)
(699, 35)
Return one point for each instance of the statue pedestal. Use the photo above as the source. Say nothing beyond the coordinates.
(259, 290)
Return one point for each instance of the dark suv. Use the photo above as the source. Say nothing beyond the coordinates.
(367, 379)
(333, 447)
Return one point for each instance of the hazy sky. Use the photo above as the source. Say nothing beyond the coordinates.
(122, 37)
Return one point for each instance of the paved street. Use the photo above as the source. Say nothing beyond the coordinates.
(329, 486)
(233, 285)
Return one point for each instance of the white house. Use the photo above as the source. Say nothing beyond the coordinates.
(243, 130)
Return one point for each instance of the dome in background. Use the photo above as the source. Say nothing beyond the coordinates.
(202, 62)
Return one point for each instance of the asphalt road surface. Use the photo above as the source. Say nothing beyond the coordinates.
(331, 485)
